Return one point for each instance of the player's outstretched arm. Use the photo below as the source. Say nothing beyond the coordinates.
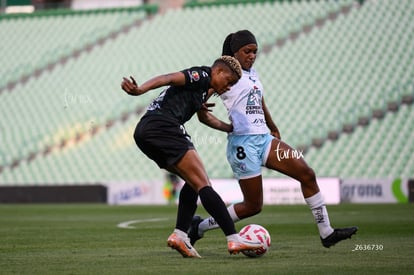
(131, 87)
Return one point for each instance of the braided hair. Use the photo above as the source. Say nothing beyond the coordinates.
(232, 63)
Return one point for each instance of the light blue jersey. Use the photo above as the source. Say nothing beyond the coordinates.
(249, 144)
(244, 105)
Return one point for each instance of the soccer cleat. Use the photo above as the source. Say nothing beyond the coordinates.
(193, 231)
(338, 235)
(183, 246)
(242, 245)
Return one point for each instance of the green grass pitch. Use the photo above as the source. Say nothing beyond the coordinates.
(86, 239)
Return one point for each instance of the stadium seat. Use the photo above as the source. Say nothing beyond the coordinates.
(348, 69)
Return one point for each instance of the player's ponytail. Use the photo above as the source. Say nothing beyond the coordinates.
(227, 47)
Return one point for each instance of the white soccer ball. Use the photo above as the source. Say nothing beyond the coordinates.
(255, 232)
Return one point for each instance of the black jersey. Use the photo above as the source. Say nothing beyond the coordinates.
(181, 102)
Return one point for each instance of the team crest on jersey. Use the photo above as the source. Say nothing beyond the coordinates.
(195, 76)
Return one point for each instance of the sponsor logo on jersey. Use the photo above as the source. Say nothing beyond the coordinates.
(156, 103)
(259, 121)
(254, 102)
(254, 97)
(194, 76)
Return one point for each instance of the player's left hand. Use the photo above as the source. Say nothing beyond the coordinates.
(276, 134)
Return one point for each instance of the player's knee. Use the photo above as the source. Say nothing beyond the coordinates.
(308, 175)
(249, 209)
(255, 208)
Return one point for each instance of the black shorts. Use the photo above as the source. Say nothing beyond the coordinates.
(162, 139)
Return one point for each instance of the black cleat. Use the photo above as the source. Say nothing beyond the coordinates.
(193, 231)
(338, 235)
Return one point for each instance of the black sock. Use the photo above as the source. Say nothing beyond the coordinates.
(187, 206)
(215, 206)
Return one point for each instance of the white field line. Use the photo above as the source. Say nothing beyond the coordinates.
(128, 224)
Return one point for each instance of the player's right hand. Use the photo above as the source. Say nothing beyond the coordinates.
(130, 86)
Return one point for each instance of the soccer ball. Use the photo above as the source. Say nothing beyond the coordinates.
(255, 232)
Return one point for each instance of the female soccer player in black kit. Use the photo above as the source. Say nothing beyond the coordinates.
(160, 134)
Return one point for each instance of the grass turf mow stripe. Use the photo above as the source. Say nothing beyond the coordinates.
(86, 239)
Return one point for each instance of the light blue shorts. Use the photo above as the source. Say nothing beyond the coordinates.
(247, 154)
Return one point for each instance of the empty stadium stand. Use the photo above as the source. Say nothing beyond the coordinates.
(338, 78)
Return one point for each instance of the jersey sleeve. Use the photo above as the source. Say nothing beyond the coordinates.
(197, 77)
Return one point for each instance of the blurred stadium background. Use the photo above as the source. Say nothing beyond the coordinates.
(338, 77)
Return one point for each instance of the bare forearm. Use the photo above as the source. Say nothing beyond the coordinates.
(131, 87)
(222, 126)
(270, 123)
(272, 126)
(213, 122)
(156, 82)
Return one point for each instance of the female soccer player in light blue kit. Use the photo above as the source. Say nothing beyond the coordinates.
(256, 142)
